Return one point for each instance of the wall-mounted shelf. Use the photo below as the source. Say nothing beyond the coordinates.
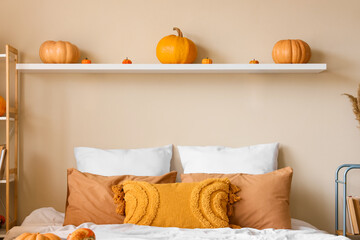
(170, 68)
(3, 57)
(4, 181)
(4, 119)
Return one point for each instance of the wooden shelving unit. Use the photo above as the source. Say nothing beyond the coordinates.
(170, 68)
(11, 118)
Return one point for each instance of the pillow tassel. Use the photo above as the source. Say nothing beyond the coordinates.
(233, 198)
(233, 226)
(119, 199)
(120, 209)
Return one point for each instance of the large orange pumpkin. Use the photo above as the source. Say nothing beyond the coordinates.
(176, 49)
(2, 106)
(37, 236)
(291, 51)
(59, 52)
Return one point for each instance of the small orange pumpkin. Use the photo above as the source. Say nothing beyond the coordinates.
(59, 52)
(2, 106)
(291, 51)
(176, 49)
(126, 61)
(2, 220)
(37, 236)
(86, 61)
(207, 61)
(254, 61)
(82, 234)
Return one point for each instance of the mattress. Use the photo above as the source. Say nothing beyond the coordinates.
(46, 220)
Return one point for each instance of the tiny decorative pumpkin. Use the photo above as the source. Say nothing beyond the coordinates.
(176, 49)
(2, 220)
(254, 61)
(207, 61)
(86, 61)
(59, 52)
(2, 106)
(127, 61)
(291, 51)
(37, 236)
(82, 234)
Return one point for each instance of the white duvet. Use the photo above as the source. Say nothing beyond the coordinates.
(45, 220)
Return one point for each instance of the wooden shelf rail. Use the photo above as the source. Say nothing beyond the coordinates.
(11, 56)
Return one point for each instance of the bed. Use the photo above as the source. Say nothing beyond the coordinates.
(45, 220)
(221, 189)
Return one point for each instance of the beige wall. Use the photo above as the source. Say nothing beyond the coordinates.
(304, 112)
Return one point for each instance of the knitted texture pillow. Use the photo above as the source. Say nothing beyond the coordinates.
(205, 204)
(265, 198)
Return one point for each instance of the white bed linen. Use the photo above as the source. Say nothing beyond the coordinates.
(255, 159)
(114, 162)
(45, 220)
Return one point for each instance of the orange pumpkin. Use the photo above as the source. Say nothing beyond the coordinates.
(126, 61)
(254, 61)
(37, 236)
(86, 61)
(2, 220)
(291, 51)
(207, 61)
(2, 106)
(176, 49)
(59, 52)
(82, 234)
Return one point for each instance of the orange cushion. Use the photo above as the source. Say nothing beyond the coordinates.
(185, 205)
(264, 199)
(90, 199)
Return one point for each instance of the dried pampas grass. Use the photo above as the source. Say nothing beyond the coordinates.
(355, 103)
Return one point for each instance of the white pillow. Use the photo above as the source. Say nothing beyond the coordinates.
(139, 162)
(46, 216)
(256, 159)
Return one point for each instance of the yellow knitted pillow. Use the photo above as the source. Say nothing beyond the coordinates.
(205, 204)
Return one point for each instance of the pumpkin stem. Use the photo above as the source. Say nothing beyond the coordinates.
(178, 31)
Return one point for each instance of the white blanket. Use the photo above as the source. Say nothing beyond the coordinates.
(49, 220)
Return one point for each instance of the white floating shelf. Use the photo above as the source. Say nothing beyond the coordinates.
(2, 57)
(4, 181)
(170, 68)
(4, 119)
